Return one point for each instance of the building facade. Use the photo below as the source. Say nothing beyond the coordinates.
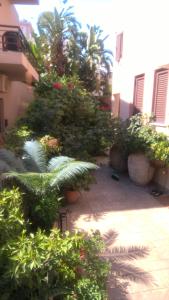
(141, 68)
(17, 65)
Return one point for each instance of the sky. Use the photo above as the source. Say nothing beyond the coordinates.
(111, 15)
(98, 12)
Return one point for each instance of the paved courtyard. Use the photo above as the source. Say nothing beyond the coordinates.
(138, 218)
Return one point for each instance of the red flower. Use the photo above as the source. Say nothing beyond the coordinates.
(70, 86)
(105, 108)
(82, 254)
(57, 86)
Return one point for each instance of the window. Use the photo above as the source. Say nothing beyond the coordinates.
(119, 46)
(138, 94)
(160, 95)
(11, 41)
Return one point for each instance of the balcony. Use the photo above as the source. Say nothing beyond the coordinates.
(31, 2)
(16, 58)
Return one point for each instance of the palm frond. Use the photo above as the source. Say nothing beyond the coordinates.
(132, 273)
(126, 253)
(35, 155)
(38, 183)
(67, 173)
(56, 162)
(14, 163)
(110, 237)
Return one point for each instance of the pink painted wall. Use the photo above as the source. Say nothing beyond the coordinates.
(17, 68)
(16, 100)
(8, 14)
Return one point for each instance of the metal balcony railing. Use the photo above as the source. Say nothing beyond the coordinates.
(13, 39)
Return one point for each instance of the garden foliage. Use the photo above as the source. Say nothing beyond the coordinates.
(138, 135)
(43, 180)
(68, 112)
(36, 266)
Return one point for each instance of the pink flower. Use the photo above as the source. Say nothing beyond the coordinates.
(57, 86)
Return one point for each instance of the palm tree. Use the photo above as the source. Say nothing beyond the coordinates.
(55, 29)
(39, 176)
(88, 56)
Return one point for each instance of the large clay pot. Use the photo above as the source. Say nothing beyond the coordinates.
(158, 163)
(117, 160)
(72, 196)
(140, 169)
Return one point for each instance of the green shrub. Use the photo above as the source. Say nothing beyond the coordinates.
(43, 180)
(138, 135)
(11, 215)
(16, 137)
(71, 114)
(39, 266)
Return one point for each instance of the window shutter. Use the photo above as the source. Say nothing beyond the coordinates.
(119, 46)
(160, 95)
(138, 94)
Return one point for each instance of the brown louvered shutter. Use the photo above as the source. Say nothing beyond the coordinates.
(119, 46)
(138, 94)
(160, 95)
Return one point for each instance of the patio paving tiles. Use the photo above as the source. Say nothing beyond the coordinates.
(138, 218)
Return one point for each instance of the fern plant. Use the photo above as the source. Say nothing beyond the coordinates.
(39, 175)
(42, 181)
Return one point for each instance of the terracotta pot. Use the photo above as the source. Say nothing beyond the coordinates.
(117, 160)
(72, 196)
(158, 163)
(140, 169)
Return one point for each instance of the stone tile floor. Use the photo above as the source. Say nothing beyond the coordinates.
(138, 218)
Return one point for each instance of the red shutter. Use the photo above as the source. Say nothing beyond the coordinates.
(160, 95)
(119, 46)
(138, 94)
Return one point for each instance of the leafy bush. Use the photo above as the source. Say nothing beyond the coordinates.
(159, 150)
(139, 135)
(43, 180)
(39, 266)
(11, 215)
(68, 112)
(74, 266)
(16, 137)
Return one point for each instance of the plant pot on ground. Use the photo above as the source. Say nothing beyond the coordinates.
(118, 151)
(118, 159)
(72, 196)
(72, 191)
(140, 169)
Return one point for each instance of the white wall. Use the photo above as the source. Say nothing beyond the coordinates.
(145, 49)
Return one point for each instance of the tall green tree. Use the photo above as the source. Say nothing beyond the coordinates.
(93, 61)
(55, 29)
(62, 47)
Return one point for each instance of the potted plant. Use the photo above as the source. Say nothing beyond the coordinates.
(42, 177)
(159, 151)
(72, 192)
(140, 137)
(118, 150)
